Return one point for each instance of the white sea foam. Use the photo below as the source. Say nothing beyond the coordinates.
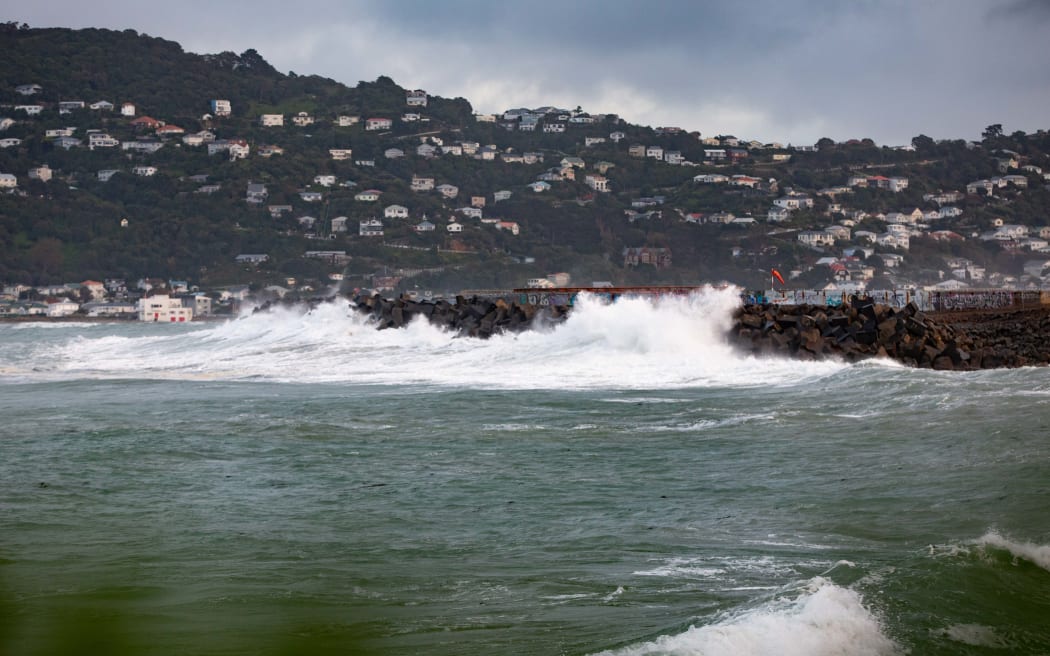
(976, 635)
(669, 343)
(730, 568)
(821, 620)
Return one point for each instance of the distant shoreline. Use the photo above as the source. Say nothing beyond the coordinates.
(86, 319)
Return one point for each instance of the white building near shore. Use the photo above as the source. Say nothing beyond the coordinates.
(163, 308)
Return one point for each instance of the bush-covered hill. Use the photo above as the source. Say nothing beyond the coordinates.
(190, 218)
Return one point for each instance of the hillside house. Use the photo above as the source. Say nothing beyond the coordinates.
(502, 194)
(539, 186)
(714, 154)
(711, 178)
(101, 140)
(8, 181)
(256, 193)
(67, 142)
(794, 202)
(144, 171)
(454, 227)
(128, 109)
(142, 145)
(654, 152)
(221, 108)
(597, 182)
(101, 106)
(777, 214)
(324, 180)
(339, 224)
(345, 121)
(340, 154)
(368, 195)
(311, 196)
(378, 124)
(509, 226)
(30, 110)
(745, 181)
(271, 120)
(839, 232)
(421, 183)
(448, 191)
(816, 238)
(303, 119)
(416, 98)
(42, 173)
(395, 212)
(146, 123)
(370, 228)
(393, 153)
(657, 257)
(28, 89)
(894, 240)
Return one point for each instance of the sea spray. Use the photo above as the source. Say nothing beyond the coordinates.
(634, 343)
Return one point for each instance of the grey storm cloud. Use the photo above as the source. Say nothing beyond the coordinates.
(775, 70)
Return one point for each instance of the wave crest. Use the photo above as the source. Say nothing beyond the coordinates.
(824, 619)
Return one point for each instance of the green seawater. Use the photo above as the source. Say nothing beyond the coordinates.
(862, 510)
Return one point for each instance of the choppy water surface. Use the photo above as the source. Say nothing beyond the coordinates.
(622, 484)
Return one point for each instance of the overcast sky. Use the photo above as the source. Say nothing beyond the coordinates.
(774, 70)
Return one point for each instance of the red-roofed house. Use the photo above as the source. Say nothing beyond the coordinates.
(95, 288)
(146, 123)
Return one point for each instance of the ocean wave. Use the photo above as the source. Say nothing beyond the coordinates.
(820, 620)
(991, 546)
(632, 344)
(1035, 553)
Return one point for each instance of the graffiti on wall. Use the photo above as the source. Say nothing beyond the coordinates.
(926, 301)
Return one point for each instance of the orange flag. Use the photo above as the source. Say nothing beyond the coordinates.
(776, 274)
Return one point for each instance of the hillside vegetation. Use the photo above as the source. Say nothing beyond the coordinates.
(190, 218)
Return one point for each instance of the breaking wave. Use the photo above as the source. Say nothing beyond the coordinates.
(630, 344)
(823, 619)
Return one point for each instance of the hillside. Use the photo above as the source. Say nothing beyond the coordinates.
(133, 192)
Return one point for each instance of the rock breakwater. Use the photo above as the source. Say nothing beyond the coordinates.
(945, 341)
(467, 316)
(958, 341)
